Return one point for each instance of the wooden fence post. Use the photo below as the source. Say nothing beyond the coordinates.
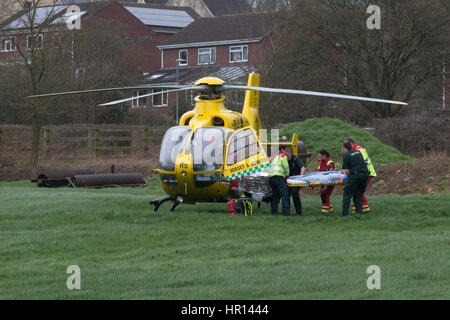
(133, 140)
(46, 137)
(96, 142)
(146, 139)
(90, 140)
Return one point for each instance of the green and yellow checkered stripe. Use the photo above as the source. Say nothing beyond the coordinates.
(249, 171)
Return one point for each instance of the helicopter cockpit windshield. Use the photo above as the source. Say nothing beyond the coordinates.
(207, 149)
(174, 142)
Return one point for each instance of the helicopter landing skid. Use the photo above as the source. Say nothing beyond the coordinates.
(175, 204)
(159, 202)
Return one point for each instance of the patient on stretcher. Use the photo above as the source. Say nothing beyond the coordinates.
(319, 178)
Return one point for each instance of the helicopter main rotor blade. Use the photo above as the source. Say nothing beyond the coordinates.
(149, 94)
(141, 87)
(312, 93)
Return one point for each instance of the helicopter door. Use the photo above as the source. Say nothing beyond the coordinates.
(244, 155)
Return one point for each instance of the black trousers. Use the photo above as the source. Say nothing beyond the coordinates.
(279, 191)
(355, 189)
(294, 192)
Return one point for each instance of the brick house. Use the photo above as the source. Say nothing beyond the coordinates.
(228, 47)
(139, 21)
(228, 40)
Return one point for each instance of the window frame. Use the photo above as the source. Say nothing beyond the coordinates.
(12, 44)
(187, 57)
(240, 50)
(211, 49)
(40, 42)
(136, 103)
(164, 98)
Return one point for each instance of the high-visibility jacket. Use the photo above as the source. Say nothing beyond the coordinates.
(366, 158)
(327, 165)
(279, 166)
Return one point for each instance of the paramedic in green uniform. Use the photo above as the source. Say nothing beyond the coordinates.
(296, 167)
(356, 169)
(279, 170)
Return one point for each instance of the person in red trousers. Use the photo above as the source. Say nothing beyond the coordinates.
(326, 164)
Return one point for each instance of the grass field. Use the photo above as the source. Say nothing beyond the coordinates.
(127, 251)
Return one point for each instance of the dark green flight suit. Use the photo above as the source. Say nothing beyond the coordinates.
(356, 186)
(295, 166)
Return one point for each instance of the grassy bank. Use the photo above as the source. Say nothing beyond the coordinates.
(329, 134)
(127, 251)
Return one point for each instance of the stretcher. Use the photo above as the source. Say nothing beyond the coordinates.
(318, 179)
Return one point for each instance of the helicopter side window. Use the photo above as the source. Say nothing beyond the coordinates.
(175, 141)
(242, 146)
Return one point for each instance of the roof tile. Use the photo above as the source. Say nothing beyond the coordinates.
(223, 28)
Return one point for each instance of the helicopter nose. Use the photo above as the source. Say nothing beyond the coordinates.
(183, 172)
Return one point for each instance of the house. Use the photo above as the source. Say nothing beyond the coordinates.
(164, 21)
(228, 47)
(143, 25)
(228, 40)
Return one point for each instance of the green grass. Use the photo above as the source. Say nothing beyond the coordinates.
(127, 251)
(329, 134)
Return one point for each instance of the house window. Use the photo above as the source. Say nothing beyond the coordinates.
(141, 102)
(160, 100)
(239, 54)
(206, 56)
(8, 44)
(38, 44)
(183, 55)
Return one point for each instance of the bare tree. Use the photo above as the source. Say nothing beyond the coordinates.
(52, 58)
(330, 48)
(34, 55)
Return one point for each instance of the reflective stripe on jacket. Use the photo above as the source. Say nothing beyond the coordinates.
(366, 158)
(279, 166)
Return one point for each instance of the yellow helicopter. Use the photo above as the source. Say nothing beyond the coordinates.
(212, 145)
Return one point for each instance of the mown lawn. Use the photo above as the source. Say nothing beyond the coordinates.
(127, 251)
